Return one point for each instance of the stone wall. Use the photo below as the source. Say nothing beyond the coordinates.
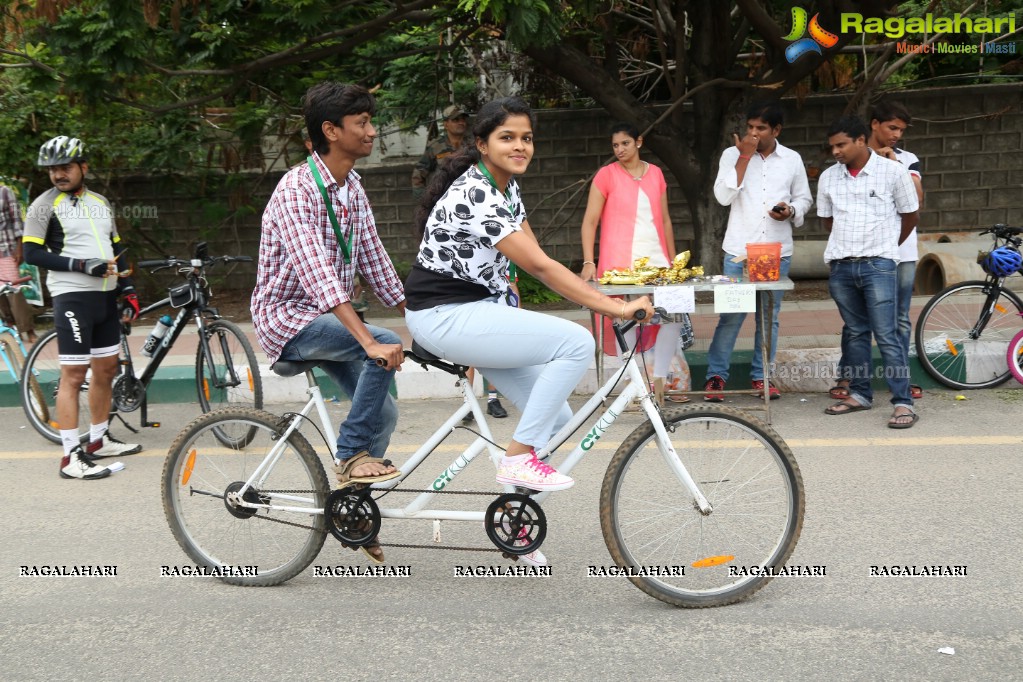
(970, 141)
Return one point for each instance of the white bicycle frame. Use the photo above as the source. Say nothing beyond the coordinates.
(416, 509)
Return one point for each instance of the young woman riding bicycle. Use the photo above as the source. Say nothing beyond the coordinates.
(473, 224)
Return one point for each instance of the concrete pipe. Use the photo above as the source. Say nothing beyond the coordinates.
(808, 260)
(945, 264)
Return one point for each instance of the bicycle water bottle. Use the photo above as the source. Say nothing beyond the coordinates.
(159, 331)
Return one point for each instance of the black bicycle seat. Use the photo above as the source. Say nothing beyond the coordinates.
(290, 368)
(426, 357)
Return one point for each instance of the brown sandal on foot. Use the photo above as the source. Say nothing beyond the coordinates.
(344, 468)
(839, 391)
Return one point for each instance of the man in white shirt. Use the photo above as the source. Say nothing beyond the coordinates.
(869, 205)
(888, 123)
(764, 183)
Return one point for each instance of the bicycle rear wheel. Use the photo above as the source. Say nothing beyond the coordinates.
(230, 376)
(201, 471)
(40, 381)
(652, 525)
(956, 347)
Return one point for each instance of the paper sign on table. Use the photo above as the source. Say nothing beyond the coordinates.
(735, 298)
(675, 299)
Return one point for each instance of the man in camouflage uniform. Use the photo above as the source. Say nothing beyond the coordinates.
(454, 137)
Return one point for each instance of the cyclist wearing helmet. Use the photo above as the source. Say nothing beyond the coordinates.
(70, 231)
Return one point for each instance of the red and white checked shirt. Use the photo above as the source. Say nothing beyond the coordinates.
(302, 273)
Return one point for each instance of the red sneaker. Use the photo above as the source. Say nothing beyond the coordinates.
(758, 385)
(715, 383)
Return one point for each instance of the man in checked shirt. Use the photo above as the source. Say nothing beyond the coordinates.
(870, 206)
(302, 303)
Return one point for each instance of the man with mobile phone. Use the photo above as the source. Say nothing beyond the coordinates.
(764, 183)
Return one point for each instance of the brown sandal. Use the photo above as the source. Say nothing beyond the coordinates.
(839, 391)
(343, 470)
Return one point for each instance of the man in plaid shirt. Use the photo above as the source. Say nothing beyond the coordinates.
(14, 308)
(870, 206)
(302, 303)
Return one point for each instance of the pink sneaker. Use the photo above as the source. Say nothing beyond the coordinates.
(534, 558)
(529, 472)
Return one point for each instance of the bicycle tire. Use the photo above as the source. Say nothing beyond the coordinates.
(1014, 357)
(215, 537)
(749, 476)
(28, 386)
(239, 356)
(944, 342)
(43, 364)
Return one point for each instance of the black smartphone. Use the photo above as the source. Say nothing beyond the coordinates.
(777, 209)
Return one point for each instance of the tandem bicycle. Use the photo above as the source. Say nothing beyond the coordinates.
(707, 488)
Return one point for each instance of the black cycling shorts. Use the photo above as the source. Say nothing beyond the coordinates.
(88, 326)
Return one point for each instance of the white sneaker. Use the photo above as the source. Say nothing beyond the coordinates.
(80, 465)
(108, 446)
(529, 472)
(534, 558)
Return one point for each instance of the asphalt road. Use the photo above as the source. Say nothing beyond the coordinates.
(947, 492)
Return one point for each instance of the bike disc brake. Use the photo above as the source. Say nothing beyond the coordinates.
(128, 393)
(352, 516)
(515, 524)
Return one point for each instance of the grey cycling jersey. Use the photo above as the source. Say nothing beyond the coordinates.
(75, 226)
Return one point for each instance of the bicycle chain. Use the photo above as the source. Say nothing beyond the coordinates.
(397, 545)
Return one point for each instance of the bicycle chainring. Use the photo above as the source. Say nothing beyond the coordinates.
(231, 500)
(515, 524)
(128, 393)
(352, 516)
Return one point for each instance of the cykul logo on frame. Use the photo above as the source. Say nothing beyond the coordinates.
(819, 37)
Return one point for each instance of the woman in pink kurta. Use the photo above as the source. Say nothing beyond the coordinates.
(629, 201)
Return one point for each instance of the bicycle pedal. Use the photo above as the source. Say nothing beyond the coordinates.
(154, 425)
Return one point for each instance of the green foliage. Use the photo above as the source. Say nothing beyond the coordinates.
(534, 291)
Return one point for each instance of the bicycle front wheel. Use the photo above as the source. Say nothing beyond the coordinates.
(1014, 357)
(954, 343)
(247, 546)
(677, 554)
(229, 375)
(40, 381)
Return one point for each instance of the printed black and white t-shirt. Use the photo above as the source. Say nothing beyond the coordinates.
(458, 261)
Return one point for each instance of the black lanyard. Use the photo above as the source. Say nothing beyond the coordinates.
(346, 247)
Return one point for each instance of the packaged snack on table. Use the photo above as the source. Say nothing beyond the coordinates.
(763, 260)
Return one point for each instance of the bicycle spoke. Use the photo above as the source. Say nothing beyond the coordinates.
(214, 531)
(755, 493)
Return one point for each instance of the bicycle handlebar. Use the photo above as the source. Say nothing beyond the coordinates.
(161, 263)
(1003, 231)
(15, 285)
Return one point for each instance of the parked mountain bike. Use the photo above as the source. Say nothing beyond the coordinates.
(709, 491)
(226, 369)
(12, 349)
(964, 330)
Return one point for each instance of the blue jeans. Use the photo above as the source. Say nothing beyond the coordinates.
(720, 353)
(906, 275)
(866, 293)
(374, 412)
(535, 360)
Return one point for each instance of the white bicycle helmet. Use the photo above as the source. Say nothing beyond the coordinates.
(60, 150)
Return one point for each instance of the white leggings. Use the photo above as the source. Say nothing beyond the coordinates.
(535, 360)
